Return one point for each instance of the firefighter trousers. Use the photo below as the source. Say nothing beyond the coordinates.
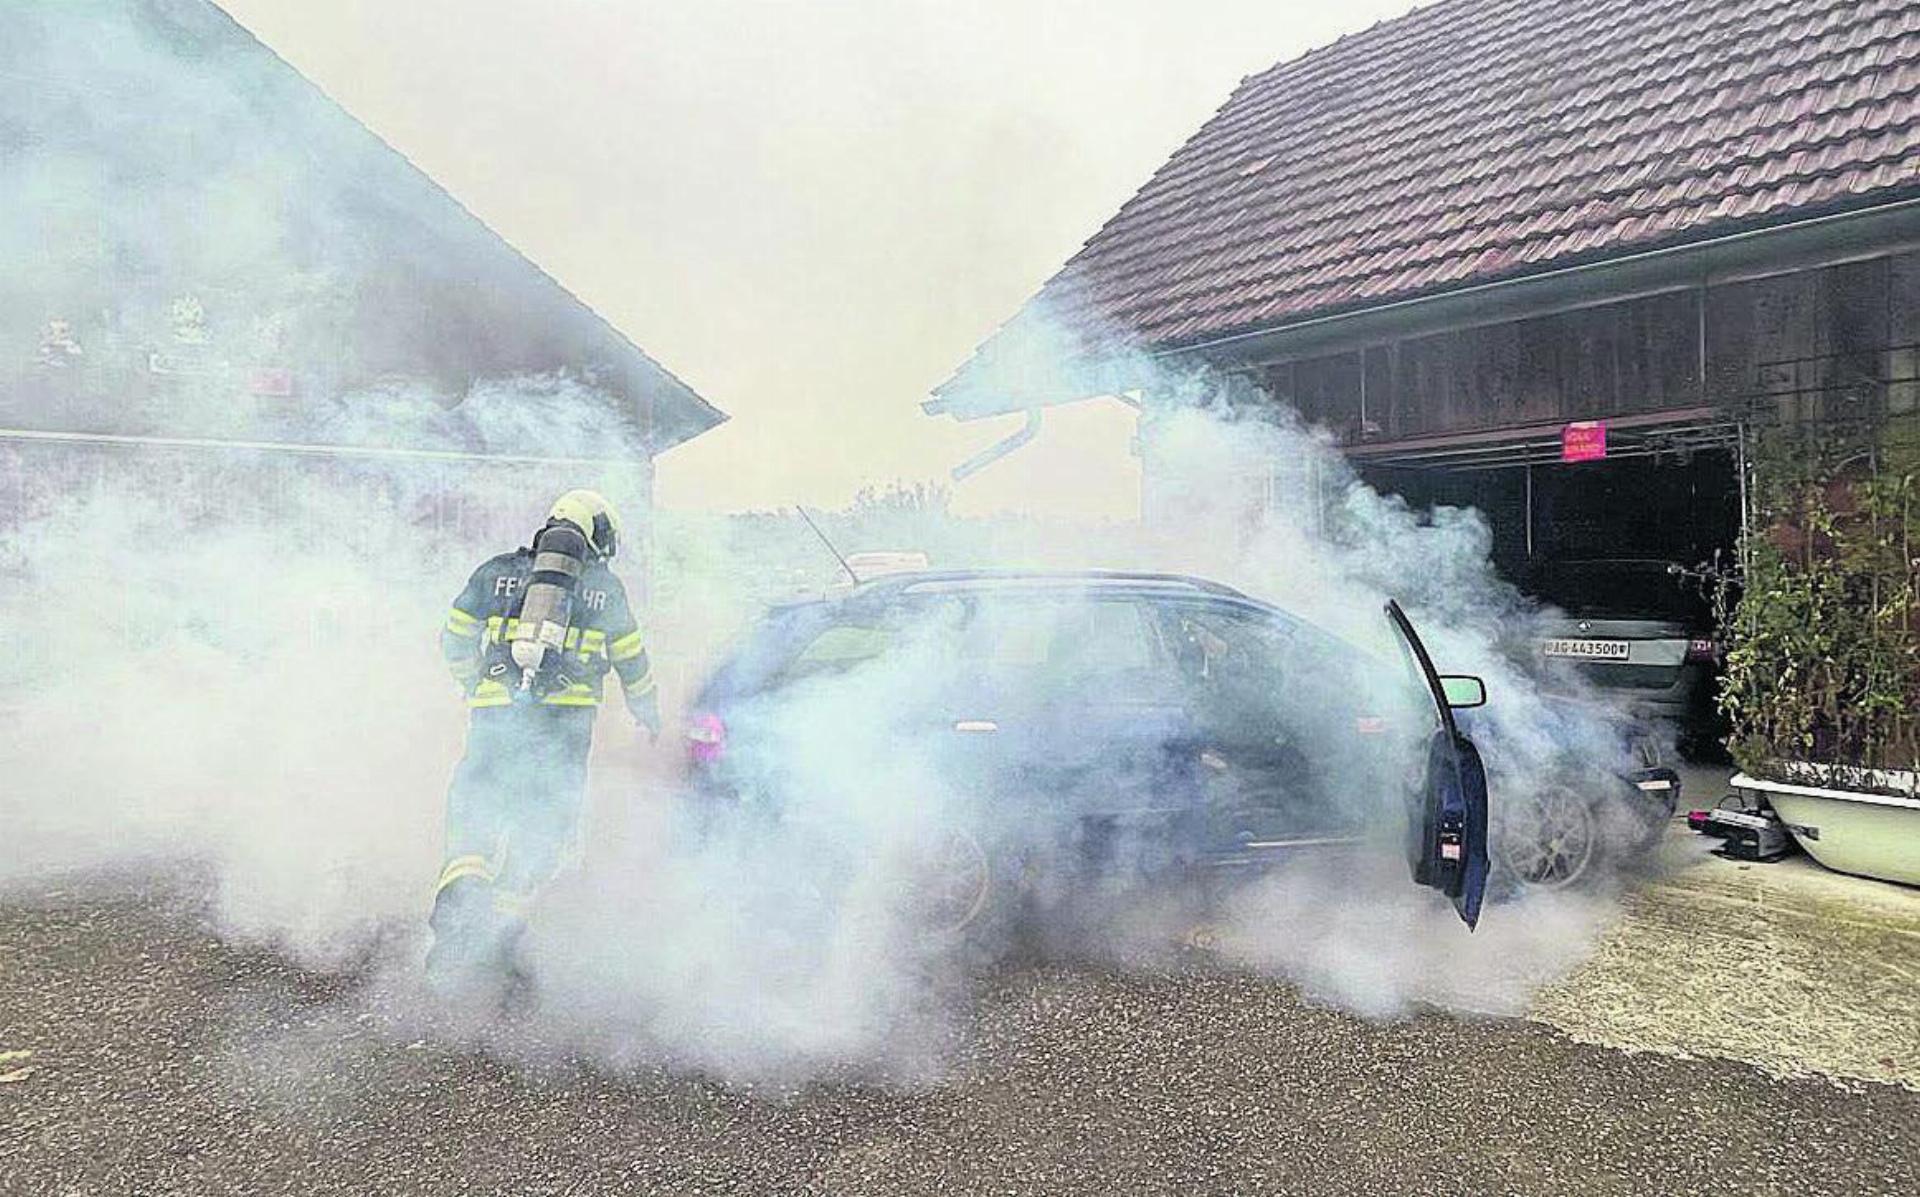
(513, 816)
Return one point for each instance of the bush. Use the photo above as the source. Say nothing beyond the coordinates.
(1825, 663)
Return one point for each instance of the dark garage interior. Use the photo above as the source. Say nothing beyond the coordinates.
(1680, 507)
(1596, 539)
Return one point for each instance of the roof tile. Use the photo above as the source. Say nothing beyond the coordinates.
(1474, 138)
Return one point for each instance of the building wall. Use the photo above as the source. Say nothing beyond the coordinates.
(1777, 340)
(1836, 342)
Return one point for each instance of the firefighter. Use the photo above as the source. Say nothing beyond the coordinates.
(534, 688)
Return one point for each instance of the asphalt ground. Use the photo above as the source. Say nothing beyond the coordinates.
(165, 1060)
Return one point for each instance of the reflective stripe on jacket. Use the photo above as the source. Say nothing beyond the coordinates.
(604, 636)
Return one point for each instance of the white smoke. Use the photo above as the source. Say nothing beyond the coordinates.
(256, 698)
(224, 662)
(230, 664)
(790, 948)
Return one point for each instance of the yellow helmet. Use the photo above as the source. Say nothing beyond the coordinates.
(589, 511)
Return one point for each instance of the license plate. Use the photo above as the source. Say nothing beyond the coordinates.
(1588, 650)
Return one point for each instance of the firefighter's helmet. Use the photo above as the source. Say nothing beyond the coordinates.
(589, 511)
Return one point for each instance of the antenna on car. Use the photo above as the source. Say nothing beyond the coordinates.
(823, 540)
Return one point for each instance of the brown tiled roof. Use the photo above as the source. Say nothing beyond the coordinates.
(1474, 139)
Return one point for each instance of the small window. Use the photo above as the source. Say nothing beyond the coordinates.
(844, 645)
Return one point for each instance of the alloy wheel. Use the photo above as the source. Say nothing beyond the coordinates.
(1550, 838)
(950, 879)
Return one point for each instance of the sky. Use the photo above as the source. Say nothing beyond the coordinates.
(811, 212)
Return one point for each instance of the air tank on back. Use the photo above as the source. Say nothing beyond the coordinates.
(560, 555)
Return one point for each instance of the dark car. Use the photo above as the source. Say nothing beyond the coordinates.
(1086, 727)
(1640, 628)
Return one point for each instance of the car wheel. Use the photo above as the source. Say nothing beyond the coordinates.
(1550, 838)
(948, 881)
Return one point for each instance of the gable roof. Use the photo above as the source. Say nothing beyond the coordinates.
(1474, 140)
(161, 151)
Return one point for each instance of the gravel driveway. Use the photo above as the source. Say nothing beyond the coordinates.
(164, 1061)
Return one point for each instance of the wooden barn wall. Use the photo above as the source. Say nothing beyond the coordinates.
(1785, 338)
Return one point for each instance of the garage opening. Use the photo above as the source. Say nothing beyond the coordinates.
(1672, 508)
(1618, 544)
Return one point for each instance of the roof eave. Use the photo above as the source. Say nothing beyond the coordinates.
(701, 417)
(1890, 225)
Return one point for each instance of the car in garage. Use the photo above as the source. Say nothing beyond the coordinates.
(1090, 727)
(1639, 628)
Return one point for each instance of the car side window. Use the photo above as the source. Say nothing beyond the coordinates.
(1234, 665)
(860, 637)
(1068, 645)
(1041, 648)
(1257, 678)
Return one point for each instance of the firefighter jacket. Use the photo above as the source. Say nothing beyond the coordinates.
(603, 636)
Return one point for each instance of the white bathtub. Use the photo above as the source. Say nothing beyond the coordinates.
(1872, 835)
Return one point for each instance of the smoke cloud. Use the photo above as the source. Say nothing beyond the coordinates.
(783, 948)
(226, 667)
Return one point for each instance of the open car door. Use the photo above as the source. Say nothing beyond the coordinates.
(1447, 840)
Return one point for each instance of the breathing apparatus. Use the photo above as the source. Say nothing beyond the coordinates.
(581, 529)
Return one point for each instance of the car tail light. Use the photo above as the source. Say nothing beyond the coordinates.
(706, 738)
(1702, 652)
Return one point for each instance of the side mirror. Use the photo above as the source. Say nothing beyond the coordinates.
(1463, 691)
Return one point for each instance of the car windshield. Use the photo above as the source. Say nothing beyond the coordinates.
(1625, 589)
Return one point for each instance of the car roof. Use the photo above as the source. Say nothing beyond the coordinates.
(1024, 583)
(919, 582)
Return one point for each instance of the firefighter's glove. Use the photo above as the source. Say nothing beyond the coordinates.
(646, 713)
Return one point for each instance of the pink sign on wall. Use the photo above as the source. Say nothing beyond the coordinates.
(1584, 441)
